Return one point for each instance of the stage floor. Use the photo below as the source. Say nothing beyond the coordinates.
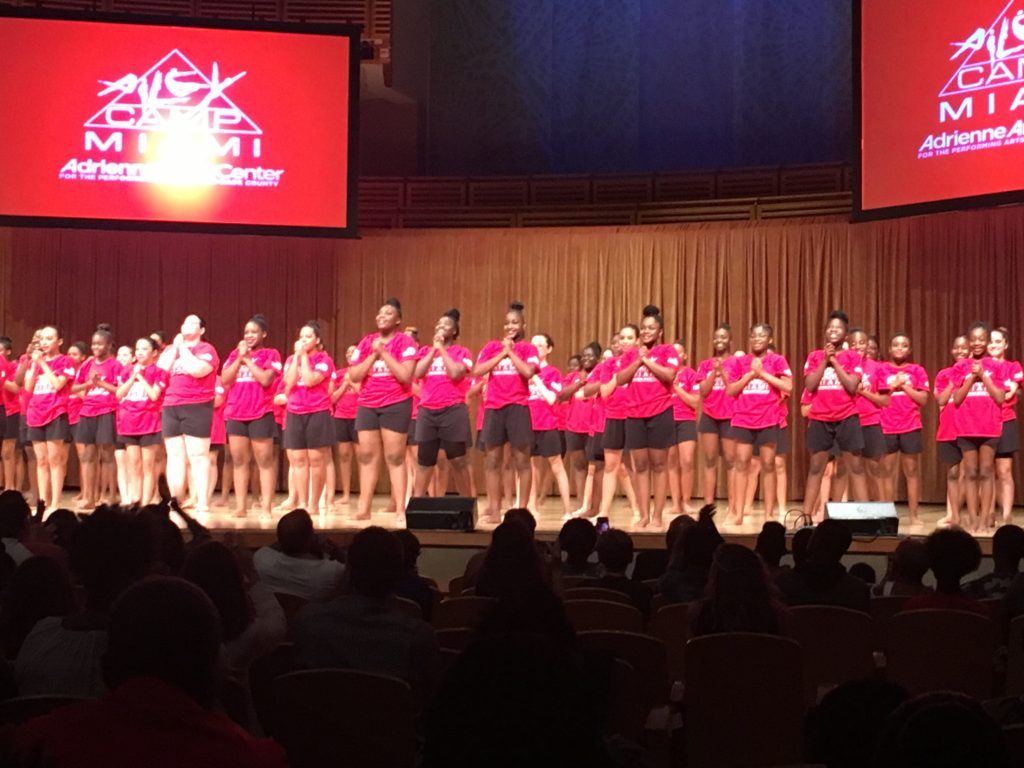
(257, 530)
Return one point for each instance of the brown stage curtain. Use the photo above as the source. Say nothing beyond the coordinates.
(929, 276)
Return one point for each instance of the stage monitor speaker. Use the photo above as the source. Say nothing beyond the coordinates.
(865, 518)
(440, 513)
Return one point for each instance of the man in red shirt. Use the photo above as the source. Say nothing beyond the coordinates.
(161, 667)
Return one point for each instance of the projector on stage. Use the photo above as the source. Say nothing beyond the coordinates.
(871, 518)
(440, 513)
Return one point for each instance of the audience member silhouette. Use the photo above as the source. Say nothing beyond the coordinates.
(161, 667)
(577, 540)
(821, 578)
(1007, 551)
(299, 563)
(907, 567)
(771, 545)
(941, 730)
(687, 575)
(40, 587)
(843, 730)
(652, 563)
(412, 586)
(511, 564)
(952, 554)
(739, 597)
(615, 553)
(363, 630)
(61, 655)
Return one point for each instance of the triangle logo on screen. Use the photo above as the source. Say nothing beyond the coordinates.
(989, 57)
(174, 91)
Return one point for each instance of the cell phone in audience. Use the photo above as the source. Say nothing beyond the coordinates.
(602, 525)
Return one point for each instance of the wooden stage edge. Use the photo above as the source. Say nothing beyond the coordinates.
(257, 530)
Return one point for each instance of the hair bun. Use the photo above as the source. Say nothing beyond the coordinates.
(107, 327)
(651, 311)
(392, 301)
(454, 314)
(259, 317)
(516, 305)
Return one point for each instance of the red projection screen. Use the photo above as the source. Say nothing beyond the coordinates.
(940, 92)
(197, 125)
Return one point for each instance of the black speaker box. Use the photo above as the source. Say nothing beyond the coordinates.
(440, 513)
(865, 518)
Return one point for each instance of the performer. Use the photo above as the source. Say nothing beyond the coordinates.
(96, 433)
(187, 414)
(714, 426)
(13, 467)
(345, 396)
(443, 419)
(872, 396)
(948, 450)
(1006, 449)
(577, 423)
(546, 453)
(907, 383)
(383, 365)
(47, 382)
(616, 397)
(251, 373)
(309, 428)
(78, 351)
(685, 401)
(757, 381)
(650, 370)
(509, 365)
(140, 392)
(595, 433)
(980, 386)
(832, 378)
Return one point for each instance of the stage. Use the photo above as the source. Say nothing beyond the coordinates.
(257, 530)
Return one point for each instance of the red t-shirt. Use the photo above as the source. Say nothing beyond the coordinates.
(306, 399)
(185, 389)
(946, 429)
(580, 414)
(11, 401)
(438, 390)
(96, 401)
(562, 409)
(616, 403)
(830, 401)
(1014, 373)
(379, 387)
(870, 413)
(137, 414)
(44, 403)
(542, 415)
(505, 386)
(902, 414)
(647, 396)
(687, 381)
(717, 404)
(757, 405)
(143, 722)
(248, 400)
(348, 404)
(979, 415)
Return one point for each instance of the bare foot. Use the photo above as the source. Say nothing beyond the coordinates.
(346, 500)
(361, 516)
(489, 519)
(643, 522)
(1008, 519)
(585, 513)
(656, 521)
(238, 513)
